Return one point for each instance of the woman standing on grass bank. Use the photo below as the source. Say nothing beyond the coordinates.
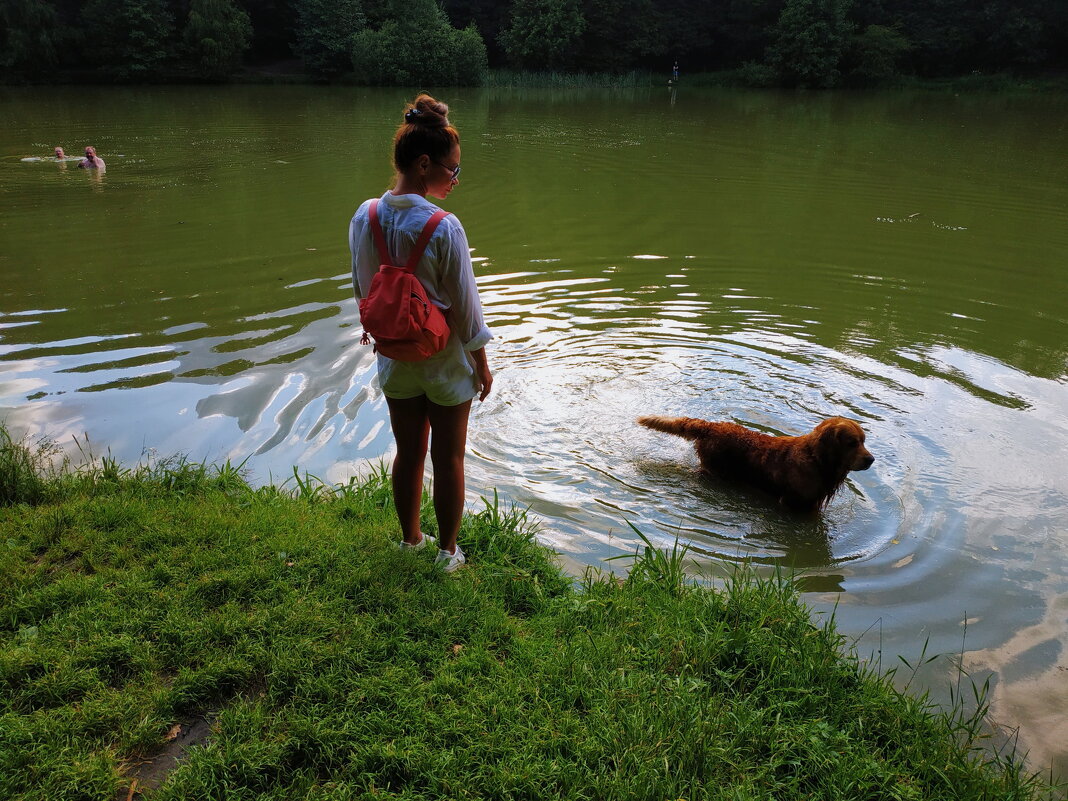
(428, 400)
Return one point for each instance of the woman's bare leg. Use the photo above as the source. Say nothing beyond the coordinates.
(411, 427)
(447, 445)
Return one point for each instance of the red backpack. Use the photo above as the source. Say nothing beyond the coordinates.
(397, 312)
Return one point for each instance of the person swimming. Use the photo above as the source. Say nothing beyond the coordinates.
(92, 161)
(57, 155)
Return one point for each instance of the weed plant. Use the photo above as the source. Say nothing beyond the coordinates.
(333, 665)
(521, 79)
(24, 469)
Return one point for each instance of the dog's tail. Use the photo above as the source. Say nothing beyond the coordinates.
(688, 427)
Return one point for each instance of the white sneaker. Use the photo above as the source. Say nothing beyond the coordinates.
(450, 561)
(426, 540)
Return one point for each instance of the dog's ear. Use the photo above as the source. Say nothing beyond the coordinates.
(837, 436)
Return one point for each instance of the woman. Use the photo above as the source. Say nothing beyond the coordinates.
(431, 399)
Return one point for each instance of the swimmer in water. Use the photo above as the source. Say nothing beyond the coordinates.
(92, 161)
(59, 156)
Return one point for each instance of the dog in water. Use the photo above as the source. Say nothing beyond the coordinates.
(802, 472)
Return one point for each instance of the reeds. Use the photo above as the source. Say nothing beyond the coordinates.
(520, 79)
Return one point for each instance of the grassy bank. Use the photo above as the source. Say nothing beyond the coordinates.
(174, 627)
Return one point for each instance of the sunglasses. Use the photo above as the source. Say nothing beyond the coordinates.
(454, 170)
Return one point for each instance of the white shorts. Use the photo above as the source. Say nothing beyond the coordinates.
(446, 378)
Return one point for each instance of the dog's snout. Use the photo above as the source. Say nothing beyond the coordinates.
(865, 461)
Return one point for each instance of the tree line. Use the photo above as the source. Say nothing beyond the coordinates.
(813, 43)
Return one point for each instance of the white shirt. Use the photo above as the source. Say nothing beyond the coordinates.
(445, 269)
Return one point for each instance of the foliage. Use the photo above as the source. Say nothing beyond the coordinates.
(24, 469)
(489, 18)
(273, 26)
(876, 53)
(953, 37)
(216, 36)
(757, 75)
(617, 34)
(29, 34)
(1012, 34)
(543, 34)
(809, 42)
(746, 30)
(416, 45)
(324, 34)
(330, 663)
(569, 80)
(127, 39)
(470, 56)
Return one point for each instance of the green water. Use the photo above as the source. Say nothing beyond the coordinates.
(768, 258)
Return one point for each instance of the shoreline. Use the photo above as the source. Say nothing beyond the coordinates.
(173, 625)
(289, 74)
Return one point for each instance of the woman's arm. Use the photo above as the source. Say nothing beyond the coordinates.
(458, 283)
(364, 260)
(465, 314)
(482, 373)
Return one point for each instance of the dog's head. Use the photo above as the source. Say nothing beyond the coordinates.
(841, 443)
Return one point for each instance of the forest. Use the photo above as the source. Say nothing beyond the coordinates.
(789, 43)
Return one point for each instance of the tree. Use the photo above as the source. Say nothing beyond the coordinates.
(939, 33)
(470, 56)
(417, 45)
(28, 39)
(617, 34)
(809, 41)
(324, 33)
(543, 34)
(747, 29)
(216, 36)
(1010, 35)
(127, 39)
(273, 24)
(876, 53)
(488, 16)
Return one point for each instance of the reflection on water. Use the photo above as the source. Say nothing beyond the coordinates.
(765, 258)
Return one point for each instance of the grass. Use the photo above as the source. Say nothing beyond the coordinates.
(332, 665)
(522, 79)
(24, 469)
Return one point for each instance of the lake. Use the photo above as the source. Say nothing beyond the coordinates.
(769, 258)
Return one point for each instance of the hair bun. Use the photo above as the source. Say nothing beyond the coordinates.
(428, 112)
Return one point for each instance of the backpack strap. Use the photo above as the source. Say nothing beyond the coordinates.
(424, 238)
(376, 229)
(420, 244)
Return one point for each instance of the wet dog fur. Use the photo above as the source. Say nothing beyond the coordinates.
(803, 472)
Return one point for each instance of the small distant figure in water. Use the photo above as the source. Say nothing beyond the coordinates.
(57, 155)
(92, 161)
(675, 71)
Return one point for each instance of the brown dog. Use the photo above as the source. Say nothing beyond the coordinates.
(802, 472)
